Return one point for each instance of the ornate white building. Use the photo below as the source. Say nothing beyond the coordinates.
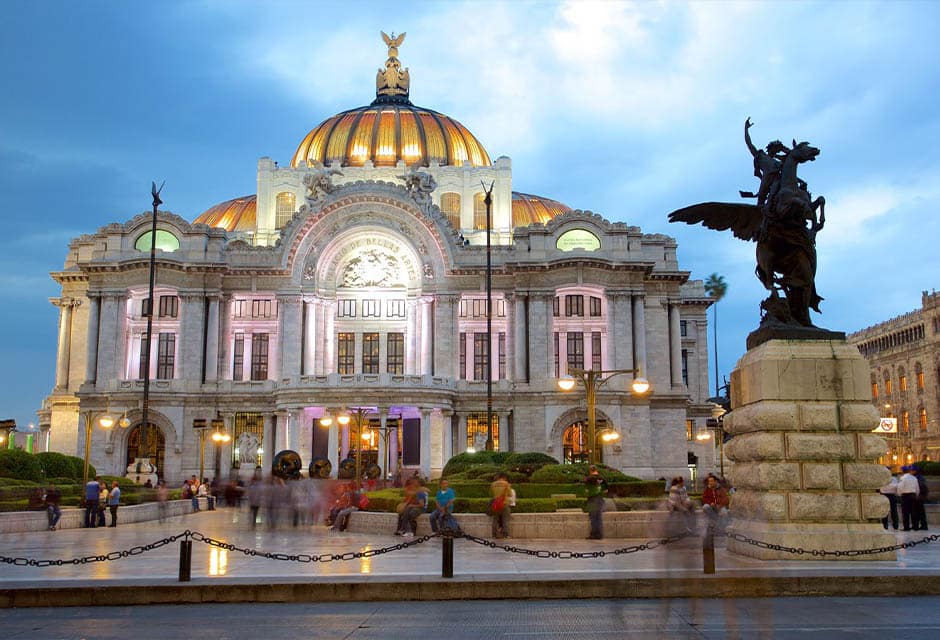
(355, 277)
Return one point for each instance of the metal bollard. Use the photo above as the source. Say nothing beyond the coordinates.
(447, 557)
(708, 550)
(186, 559)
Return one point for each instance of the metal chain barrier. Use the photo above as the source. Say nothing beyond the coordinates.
(847, 553)
(114, 555)
(577, 555)
(307, 557)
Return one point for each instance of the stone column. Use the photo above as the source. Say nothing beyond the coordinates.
(411, 338)
(427, 365)
(461, 432)
(446, 336)
(675, 347)
(344, 441)
(329, 338)
(383, 439)
(393, 449)
(65, 338)
(310, 338)
(302, 435)
(425, 442)
(803, 451)
(290, 325)
(225, 340)
(541, 355)
(639, 335)
(91, 353)
(504, 431)
(447, 448)
(189, 341)
(107, 346)
(269, 446)
(212, 340)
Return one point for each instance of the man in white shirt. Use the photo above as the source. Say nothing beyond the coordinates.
(908, 490)
(890, 491)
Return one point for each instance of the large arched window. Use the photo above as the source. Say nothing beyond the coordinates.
(919, 373)
(284, 210)
(905, 421)
(902, 379)
(476, 431)
(450, 205)
(574, 444)
(166, 241)
(922, 417)
(479, 212)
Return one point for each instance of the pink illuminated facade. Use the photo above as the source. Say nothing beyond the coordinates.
(360, 284)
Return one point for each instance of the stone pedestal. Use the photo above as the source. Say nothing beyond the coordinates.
(803, 451)
(141, 470)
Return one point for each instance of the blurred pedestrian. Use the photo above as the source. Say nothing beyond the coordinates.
(890, 490)
(908, 489)
(920, 512)
(92, 491)
(500, 511)
(102, 503)
(163, 494)
(596, 490)
(679, 501)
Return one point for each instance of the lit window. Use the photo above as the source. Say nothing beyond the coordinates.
(284, 210)
(370, 353)
(923, 419)
(166, 241)
(905, 421)
(476, 429)
(902, 383)
(888, 386)
(479, 212)
(346, 354)
(450, 205)
(874, 390)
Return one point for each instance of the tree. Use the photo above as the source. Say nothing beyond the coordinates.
(716, 288)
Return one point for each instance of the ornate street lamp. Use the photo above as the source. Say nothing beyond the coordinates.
(344, 419)
(592, 380)
(106, 421)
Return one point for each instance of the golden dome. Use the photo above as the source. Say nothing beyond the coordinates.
(528, 209)
(387, 133)
(232, 215)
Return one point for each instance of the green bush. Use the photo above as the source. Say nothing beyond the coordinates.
(569, 473)
(55, 464)
(16, 463)
(16, 482)
(463, 461)
(929, 468)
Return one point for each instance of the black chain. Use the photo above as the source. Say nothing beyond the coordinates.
(308, 557)
(576, 555)
(846, 553)
(114, 555)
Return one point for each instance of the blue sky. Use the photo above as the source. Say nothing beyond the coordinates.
(630, 110)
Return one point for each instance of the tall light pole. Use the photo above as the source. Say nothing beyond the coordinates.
(592, 380)
(488, 201)
(201, 425)
(344, 420)
(144, 450)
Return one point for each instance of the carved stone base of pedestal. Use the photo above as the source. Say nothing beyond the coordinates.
(141, 470)
(811, 536)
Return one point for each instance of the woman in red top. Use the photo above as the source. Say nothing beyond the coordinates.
(715, 499)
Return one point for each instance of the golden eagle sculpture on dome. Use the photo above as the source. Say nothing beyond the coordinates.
(392, 83)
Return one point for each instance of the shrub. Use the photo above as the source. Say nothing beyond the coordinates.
(16, 463)
(929, 468)
(567, 473)
(525, 464)
(55, 464)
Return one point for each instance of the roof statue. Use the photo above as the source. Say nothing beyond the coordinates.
(420, 184)
(784, 225)
(319, 182)
(392, 81)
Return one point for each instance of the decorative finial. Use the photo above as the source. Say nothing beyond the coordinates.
(392, 83)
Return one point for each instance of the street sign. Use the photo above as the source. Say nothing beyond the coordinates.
(887, 425)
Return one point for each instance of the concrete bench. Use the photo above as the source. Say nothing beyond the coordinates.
(74, 517)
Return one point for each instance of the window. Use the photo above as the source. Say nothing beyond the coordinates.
(501, 347)
(259, 356)
(284, 210)
(238, 308)
(370, 353)
(685, 367)
(480, 360)
(690, 430)
(166, 352)
(450, 205)
(463, 356)
(395, 308)
(574, 306)
(263, 309)
(596, 351)
(169, 306)
(919, 374)
(683, 328)
(166, 241)
(905, 421)
(555, 307)
(575, 350)
(479, 212)
(922, 417)
(874, 389)
(144, 357)
(238, 358)
(346, 308)
(371, 308)
(557, 354)
(346, 354)
(888, 385)
(145, 307)
(902, 383)
(595, 306)
(477, 432)
(476, 308)
(396, 353)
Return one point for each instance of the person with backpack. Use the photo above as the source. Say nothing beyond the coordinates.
(596, 490)
(500, 512)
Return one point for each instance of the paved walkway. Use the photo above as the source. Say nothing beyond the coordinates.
(421, 563)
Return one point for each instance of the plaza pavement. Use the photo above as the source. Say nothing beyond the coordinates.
(414, 573)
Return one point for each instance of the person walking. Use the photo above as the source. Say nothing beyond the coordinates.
(679, 501)
(596, 490)
(890, 490)
(920, 512)
(103, 503)
(114, 501)
(92, 491)
(500, 512)
(163, 494)
(443, 514)
(53, 499)
(416, 504)
(908, 489)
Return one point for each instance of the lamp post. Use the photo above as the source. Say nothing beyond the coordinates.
(200, 425)
(384, 432)
(343, 419)
(219, 437)
(106, 421)
(592, 380)
(144, 450)
(6, 427)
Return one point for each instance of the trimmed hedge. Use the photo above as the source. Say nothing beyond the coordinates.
(463, 461)
(929, 468)
(16, 463)
(569, 473)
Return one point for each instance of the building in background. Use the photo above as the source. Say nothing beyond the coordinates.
(904, 354)
(354, 277)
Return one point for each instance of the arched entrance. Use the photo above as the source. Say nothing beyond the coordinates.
(156, 446)
(576, 442)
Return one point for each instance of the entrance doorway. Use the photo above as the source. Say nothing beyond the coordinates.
(156, 446)
(576, 442)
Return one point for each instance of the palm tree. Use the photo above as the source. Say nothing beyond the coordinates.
(716, 287)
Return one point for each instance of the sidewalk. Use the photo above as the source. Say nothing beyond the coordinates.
(220, 574)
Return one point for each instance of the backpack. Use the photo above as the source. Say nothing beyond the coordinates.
(363, 501)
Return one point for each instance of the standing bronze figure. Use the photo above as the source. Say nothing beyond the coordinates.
(784, 224)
